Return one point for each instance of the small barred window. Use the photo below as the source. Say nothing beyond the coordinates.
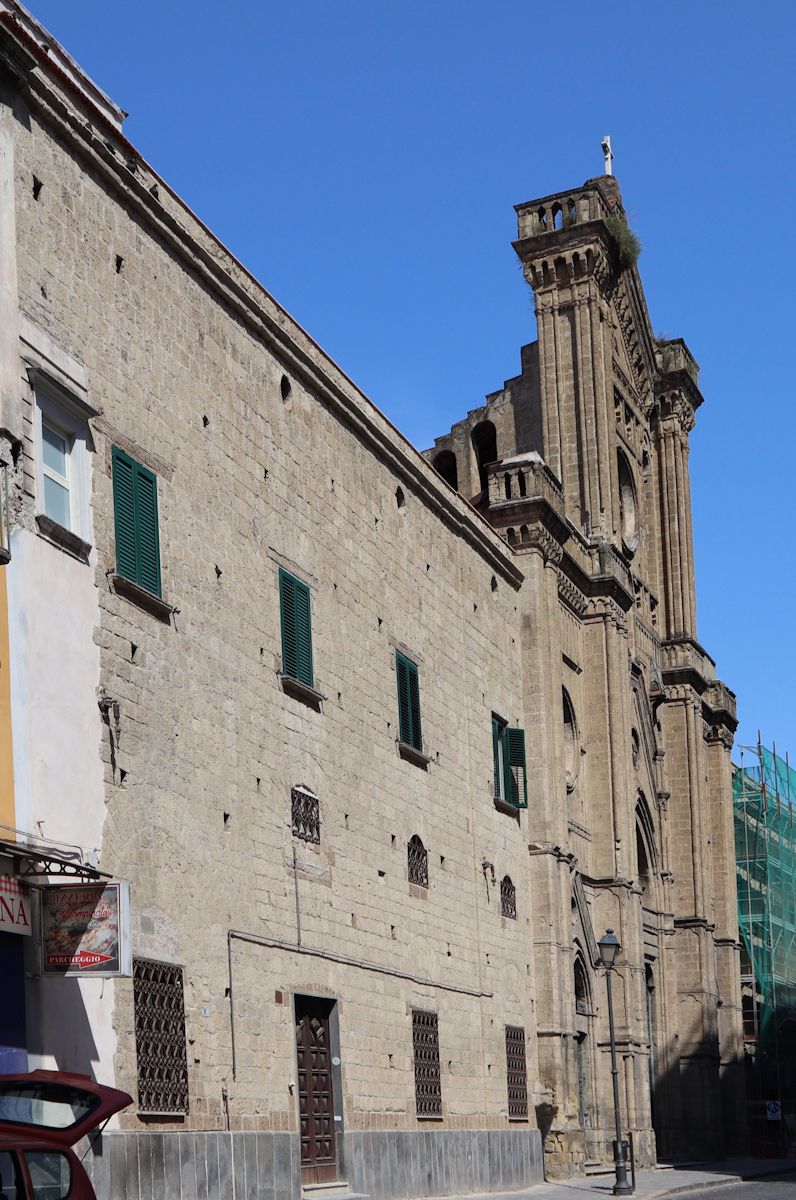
(508, 898)
(516, 1073)
(306, 815)
(428, 1084)
(417, 856)
(160, 1037)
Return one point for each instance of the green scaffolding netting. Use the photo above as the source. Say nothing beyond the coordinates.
(764, 796)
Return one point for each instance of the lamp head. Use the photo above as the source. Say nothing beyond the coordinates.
(609, 948)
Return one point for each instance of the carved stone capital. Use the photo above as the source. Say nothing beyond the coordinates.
(718, 735)
(675, 408)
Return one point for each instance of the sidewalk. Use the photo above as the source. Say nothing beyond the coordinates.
(666, 1181)
(662, 1181)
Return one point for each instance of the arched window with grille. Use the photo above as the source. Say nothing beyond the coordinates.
(508, 898)
(417, 859)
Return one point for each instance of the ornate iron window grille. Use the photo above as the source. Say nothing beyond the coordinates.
(508, 898)
(160, 1037)
(417, 857)
(428, 1084)
(306, 816)
(516, 1073)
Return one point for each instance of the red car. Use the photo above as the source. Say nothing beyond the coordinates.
(42, 1116)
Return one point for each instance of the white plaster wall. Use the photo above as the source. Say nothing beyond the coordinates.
(55, 666)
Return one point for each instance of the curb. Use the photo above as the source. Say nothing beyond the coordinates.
(685, 1188)
(727, 1181)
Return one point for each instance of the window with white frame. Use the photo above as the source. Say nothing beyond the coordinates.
(62, 463)
(56, 450)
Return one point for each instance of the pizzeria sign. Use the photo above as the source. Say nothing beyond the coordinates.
(85, 929)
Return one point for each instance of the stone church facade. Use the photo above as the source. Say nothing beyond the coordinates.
(381, 742)
(581, 462)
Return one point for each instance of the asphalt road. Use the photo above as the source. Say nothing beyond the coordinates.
(775, 1187)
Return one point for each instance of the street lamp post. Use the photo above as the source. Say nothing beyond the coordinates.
(609, 949)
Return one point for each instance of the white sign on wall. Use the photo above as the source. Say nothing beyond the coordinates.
(773, 1110)
(14, 906)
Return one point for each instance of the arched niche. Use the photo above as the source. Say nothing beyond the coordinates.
(445, 463)
(484, 438)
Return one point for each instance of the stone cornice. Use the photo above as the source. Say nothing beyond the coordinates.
(694, 922)
(15, 61)
(685, 662)
(167, 217)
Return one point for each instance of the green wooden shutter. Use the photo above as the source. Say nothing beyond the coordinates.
(509, 788)
(515, 741)
(124, 514)
(496, 756)
(303, 634)
(135, 508)
(287, 610)
(294, 605)
(404, 704)
(146, 525)
(414, 702)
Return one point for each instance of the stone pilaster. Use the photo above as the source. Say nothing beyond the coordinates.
(678, 398)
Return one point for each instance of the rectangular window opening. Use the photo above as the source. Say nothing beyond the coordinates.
(508, 755)
(63, 469)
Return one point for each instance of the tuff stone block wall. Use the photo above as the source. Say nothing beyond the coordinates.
(267, 457)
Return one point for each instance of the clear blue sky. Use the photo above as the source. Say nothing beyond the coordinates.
(363, 158)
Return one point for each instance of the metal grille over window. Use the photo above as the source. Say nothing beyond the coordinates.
(160, 1037)
(306, 815)
(418, 862)
(516, 1073)
(508, 898)
(428, 1086)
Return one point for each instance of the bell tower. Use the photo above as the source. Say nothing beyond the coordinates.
(595, 342)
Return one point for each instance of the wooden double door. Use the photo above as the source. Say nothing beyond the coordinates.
(316, 1102)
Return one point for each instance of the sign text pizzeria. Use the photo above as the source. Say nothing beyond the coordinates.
(85, 929)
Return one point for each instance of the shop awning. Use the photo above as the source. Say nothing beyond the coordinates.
(38, 862)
